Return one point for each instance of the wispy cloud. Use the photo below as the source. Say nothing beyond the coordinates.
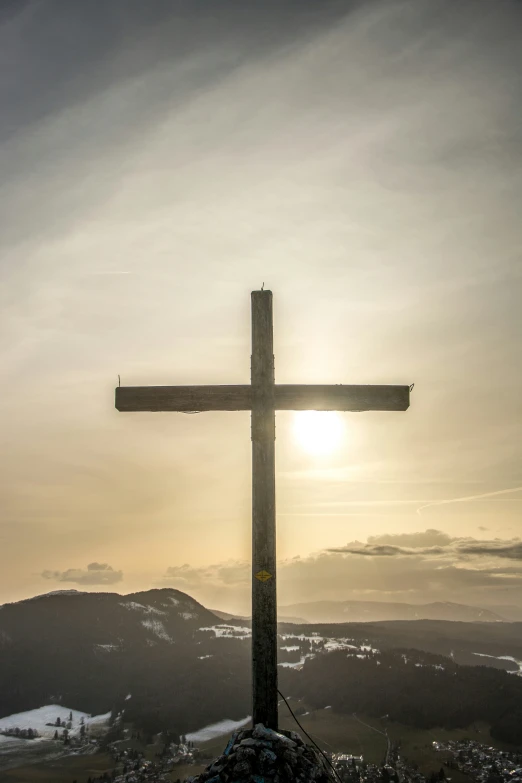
(469, 498)
(449, 548)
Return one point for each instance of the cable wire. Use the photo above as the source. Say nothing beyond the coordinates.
(309, 737)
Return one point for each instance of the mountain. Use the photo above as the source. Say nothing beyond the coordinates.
(280, 618)
(171, 664)
(103, 619)
(89, 650)
(374, 611)
(511, 613)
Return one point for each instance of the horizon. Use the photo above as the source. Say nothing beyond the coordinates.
(70, 591)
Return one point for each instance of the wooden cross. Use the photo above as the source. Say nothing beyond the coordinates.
(263, 397)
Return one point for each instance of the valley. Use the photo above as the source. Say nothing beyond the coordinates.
(160, 662)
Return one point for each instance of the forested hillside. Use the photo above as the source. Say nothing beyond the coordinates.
(184, 668)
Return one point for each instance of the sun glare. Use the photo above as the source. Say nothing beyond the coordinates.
(318, 432)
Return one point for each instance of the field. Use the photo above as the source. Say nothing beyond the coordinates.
(346, 734)
(331, 731)
(64, 770)
(80, 768)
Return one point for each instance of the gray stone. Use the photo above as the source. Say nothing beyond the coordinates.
(244, 753)
(254, 743)
(260, 732)
(242, 768)
(274, 757)
(267, 756)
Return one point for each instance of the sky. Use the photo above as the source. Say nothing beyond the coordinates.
(158, 162)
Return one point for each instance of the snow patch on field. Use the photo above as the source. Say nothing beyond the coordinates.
(5, 740)
(37, 719)
(230, 631)
(339, 644)
(217, 729)
(297, 664)
(504, 658)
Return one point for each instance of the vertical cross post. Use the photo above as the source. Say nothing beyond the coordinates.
(264, 599)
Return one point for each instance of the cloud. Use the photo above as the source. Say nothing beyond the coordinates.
(416, 567)
(447, 569)
(497, 548)
(426, 538)
(95, 574)
(454, 548)
(231, 573)
(99, 567)
(428, 542)
(377, 550)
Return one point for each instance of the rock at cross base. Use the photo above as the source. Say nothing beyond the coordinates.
(261, 755)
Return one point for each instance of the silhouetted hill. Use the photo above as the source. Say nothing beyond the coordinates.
(102, 619)
(375, 611)
(88, 649)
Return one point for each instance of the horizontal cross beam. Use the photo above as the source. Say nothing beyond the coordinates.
(287, 397)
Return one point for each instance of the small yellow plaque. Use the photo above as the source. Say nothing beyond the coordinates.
(263, 576)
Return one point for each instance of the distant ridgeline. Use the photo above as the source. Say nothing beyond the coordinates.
(186, 668)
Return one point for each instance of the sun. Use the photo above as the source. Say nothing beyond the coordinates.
(318, 432)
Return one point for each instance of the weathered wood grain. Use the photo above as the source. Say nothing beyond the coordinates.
(184, 398)
(289, 397)
(341, 398)
(264, 600)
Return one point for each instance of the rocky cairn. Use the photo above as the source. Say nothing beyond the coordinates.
(261, 755)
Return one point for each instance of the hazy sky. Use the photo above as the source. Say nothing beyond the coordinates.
(160, 160)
